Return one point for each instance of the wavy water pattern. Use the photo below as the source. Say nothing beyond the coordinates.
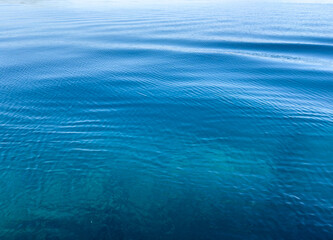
(166, 121)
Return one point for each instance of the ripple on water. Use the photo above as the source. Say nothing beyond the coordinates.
(189, 121)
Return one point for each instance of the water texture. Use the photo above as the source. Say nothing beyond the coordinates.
(197, 120)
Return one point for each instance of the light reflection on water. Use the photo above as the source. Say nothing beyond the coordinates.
(166, 121)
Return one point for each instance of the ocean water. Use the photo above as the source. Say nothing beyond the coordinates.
(179, 120)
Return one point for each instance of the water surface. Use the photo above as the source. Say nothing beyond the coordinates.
(199, 120)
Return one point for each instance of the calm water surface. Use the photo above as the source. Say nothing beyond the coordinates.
(166, 121)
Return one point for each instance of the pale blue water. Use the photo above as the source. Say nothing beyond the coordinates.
(193, 120)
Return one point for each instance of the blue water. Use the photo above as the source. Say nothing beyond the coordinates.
(191, 120)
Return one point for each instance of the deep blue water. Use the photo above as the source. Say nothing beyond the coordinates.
(192, 120)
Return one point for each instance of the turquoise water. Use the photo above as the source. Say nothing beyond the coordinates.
(192, 120)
